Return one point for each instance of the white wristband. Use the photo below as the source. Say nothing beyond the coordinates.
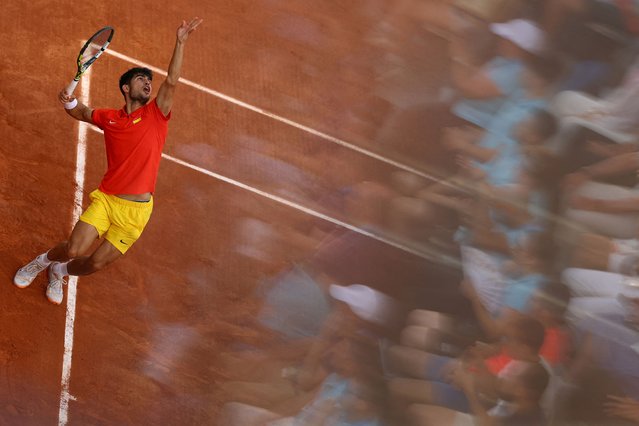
(71, 105)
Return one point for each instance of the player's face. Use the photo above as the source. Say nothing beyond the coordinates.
(140, 88)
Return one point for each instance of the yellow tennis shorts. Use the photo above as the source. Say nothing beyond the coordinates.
(120, 221)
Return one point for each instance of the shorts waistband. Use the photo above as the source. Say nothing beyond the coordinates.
(128, 203)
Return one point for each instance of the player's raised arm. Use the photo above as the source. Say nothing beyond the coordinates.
(165, 94)
(75, 108)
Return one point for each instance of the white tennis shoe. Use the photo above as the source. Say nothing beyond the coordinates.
(55, 292)
(25, 275)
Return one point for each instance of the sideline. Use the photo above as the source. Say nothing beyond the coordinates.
(80, 166)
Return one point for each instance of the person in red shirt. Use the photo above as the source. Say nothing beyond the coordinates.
(121, 207)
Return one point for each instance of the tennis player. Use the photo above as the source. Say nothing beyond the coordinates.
(121, 207)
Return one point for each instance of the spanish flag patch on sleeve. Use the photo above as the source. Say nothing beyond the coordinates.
(137, 120)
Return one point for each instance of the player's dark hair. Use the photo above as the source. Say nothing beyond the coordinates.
(530, 332)
(128, 76)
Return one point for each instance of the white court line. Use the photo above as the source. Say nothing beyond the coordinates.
(80, 163)
(280, 118)
(424, 253)
(421, 253)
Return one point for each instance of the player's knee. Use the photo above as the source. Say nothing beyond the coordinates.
(72, 253)
(77, 248)
(73, 250)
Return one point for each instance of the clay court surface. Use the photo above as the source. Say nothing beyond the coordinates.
(148, 332)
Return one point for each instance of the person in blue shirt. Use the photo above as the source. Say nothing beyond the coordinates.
(485, 90)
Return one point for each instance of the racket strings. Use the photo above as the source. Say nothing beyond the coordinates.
(95, 46)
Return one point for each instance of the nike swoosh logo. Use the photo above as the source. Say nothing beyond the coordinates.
(123, 243)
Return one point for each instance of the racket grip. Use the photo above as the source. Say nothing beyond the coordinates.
(71, 87)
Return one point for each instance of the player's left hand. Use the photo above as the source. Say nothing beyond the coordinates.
(185, 28)
(64, 97)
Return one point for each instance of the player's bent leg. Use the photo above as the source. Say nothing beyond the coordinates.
(104, 255)
(82, 236)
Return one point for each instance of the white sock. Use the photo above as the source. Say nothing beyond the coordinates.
(60, 269)
(43, 259)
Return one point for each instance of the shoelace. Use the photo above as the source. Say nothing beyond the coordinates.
(33, 268)
(57, 283)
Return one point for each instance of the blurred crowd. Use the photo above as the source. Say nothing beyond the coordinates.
(540, 119)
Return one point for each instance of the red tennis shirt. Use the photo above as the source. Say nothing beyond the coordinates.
(134, 145)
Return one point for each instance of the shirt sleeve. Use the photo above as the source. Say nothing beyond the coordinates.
(99, 117)
(158, 111)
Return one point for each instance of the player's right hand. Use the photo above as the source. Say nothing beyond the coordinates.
(64, 97)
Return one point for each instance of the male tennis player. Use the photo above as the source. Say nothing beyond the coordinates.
(134, 137)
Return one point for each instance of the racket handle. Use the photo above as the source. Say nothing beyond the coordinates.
(71, 87)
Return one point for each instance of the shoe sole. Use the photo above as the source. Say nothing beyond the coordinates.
(54, 302)
(21, 285)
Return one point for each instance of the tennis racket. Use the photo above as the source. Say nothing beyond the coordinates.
(91, 51)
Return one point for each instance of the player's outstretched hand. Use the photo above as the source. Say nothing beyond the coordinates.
(185, 28)
(64, 97)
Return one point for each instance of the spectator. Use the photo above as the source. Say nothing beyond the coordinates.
(497, 302)
(603, 253)
(624, 408)
(439, 333)
(485, 90)
(549, 305)
(497, 155)
(609, 349)
(615, 117)
(523, 339)
(523, 391)
(606, 209)
(341, 398)
(599, 292)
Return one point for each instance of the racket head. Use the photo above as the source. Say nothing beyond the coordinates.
(93, 48)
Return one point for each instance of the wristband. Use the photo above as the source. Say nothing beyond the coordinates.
(71, 105)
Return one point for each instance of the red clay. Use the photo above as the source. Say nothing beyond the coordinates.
(149, 330)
